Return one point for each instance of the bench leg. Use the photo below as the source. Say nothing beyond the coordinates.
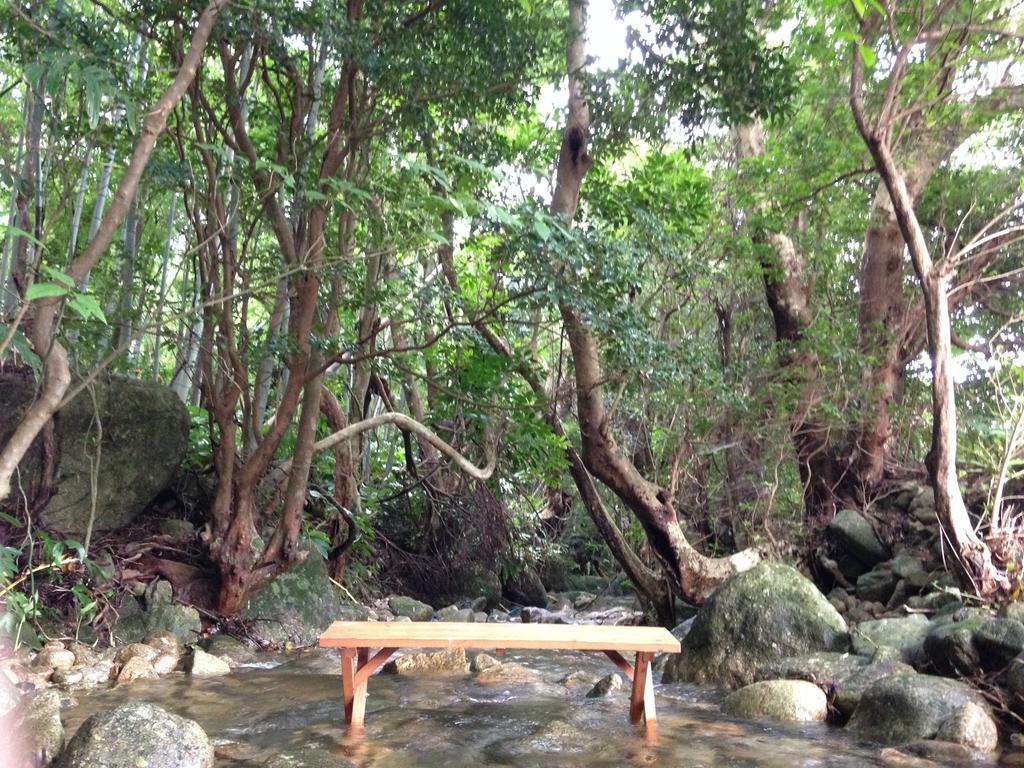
(348, 680)
(641, 700)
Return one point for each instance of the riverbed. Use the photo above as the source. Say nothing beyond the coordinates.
(291, 704)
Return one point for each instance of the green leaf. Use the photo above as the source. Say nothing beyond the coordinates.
(858, 7)
(59, 276)
(86, 306)
(44, 290)
(870, 59)
(542, 229)
(24, 350)
(22, 233)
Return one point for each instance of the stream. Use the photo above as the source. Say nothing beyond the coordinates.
(288, 703)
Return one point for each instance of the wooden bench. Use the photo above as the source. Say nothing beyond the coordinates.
(357, 638)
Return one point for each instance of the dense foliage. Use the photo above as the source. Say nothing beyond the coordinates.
(348, 216)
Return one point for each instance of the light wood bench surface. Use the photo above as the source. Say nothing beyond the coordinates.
(356, 638)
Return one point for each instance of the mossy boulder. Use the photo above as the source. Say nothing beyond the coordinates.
(159, 613)
(410, 608)
(787, 701)
(766, 613)
(905, 707)
(299, 605)
(905, 634)
(144, 438)
(851, 533)
(824, 667)
(138, 734)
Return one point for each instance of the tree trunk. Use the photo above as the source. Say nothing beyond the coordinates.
(973, 554)
(694, 575)
(786, 291)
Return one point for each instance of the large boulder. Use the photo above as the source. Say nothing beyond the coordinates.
(144, 439)
(788, 701)
(43, 727)
(138, 734)
(905, 707)
(763, 614)
(299, 605)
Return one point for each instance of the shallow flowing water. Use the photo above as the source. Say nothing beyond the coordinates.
(287, 703)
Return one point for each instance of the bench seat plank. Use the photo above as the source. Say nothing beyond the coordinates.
(438, 634)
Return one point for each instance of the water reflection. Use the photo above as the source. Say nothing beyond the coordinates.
(451, 722)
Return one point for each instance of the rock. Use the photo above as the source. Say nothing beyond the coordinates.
(202, 664)
(532, 615)
(973, 727)
(902, 592)
(84, 655)
(908, 568)
(297, 605)
(933, 601)
(133, 651)
(999, 641)
(932, 754)
(760, 615)
(447, 661)
(850, 532)
(849, 689)
(454, 613)
(485, 583)
(54, 658)
(906, 634)
(579, 679)
(1013, 682)
(788, 701)
(877, 585)
(822, 668)
(949, 647)
(163, 642)
(905, 707)
(43, 729)
(68, 679)
(229, 649)
(901, 498)
(136, 467)
(138, 734)
(181, 531)
(136, 668)
(606, 686)
(480, 617)
(526, 588)
(162, 614)
(922, 508)
(413, 609)
(488, 669)
(1012, 611)
(165, 663)
(482, 662)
